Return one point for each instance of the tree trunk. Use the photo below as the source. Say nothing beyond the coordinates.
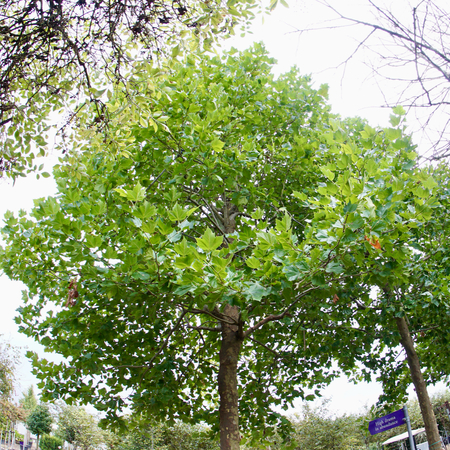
(228, 392)
(429, 419)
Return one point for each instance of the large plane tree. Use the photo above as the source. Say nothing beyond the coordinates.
(194, 270)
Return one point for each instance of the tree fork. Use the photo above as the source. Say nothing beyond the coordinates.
(429, 419)
(229, 400)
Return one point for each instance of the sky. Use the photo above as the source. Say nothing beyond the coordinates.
(321, 52)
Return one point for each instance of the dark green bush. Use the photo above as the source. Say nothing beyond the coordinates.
(50, 443)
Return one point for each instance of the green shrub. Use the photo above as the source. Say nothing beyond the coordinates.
(50, 443)
(19, 437)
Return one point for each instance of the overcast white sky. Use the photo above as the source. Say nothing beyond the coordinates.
(353, 92)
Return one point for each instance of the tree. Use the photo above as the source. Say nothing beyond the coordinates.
(29, 401)
(9, 358)
(210, 242)
(52, 50)
(411, 307)
(317, 428)
(8, 361)
(40, 422)
(410, 50)
(78, 427)
(142, 438)
(182, 436)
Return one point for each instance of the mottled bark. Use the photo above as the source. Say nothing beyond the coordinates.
(429, 419)
(228, 391)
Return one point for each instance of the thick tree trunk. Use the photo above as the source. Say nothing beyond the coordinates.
(228, 392)
(429, 419)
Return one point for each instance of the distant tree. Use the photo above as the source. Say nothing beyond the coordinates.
(144, 437)
(316, 427)
(410, 52)
(29, 401)
(39, 422)
(78, 427)
(183, 436)
(8, 361)
(180, 436)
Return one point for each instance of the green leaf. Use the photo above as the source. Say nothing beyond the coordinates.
(284, 224)
(334, 267)
(399, 110)
(256, 292)
(182, 248)
(135, 195)
(258, 214)
(145, 210)
(429, 183)
(209, 241)
(184, 261)
(350, 208)
(253, 262)
(328, 173)
(178, 214)
(217, 145)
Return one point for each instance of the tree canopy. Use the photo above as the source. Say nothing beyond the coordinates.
(214, 240)
(39, 422)
(76, 426)
(52, 52)
(29, 400)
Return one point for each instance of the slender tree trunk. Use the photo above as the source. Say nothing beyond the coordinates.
(228, 392)
(429, 419)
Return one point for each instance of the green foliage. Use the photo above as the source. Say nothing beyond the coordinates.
(9, 358)
(51, 443)
(29, 400)
(78, 427)
(39, 421)
(8, 361)
(19, 436)
(180, 436)
(48, 73)
(317, 428)
(219, 186)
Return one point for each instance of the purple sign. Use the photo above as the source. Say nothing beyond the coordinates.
(392, 420)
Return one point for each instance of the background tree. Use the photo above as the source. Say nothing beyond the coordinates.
(142, 438)
(215, 238)
(8, 361)
(411, 306)
(9, 358)
(51, 52)
(39, 422)
(410, 53)
(183, 436)
(79, 428)
(318, 428)
(28, 401)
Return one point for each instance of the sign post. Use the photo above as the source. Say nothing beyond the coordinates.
(393, 420)
(385, 423)
(412, 443)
